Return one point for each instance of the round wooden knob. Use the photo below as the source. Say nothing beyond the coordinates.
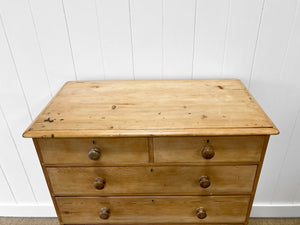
(204, 182)
(94, 153)
(208, 152)
(104, 213)
(201, 213)
(99, 183)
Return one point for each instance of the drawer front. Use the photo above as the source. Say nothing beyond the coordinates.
(184, 209)
(169, 180)
(208, 149)
(77, 151)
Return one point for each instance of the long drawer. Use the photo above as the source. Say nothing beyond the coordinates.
(158, 180)
(208, 149)
(98, 151)
(137, 210)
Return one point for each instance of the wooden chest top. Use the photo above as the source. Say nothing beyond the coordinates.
(151, 108)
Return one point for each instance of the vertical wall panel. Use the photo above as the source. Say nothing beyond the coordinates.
(288, 185)
(146, 20)
(178, 38)
(115, 26)
(268, 86)
(211, 27)
(21, 34)
(6, 196)
(53, 37)
(243, 28)
(85, 39)
(12, 166)
(289, 182)
(44, 43)
(297, 194)
(17, 116)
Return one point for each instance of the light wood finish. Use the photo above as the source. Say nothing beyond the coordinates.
(152, 152)
(138, 210)
(53, 221)
(112, 151)
(139, 108)
(150, 149)
(38, 150)
(227, 149)
(257, 176)
(150, 180)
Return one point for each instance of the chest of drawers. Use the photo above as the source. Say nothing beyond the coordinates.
(152, 152)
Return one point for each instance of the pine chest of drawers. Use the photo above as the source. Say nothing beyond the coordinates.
(152, 152)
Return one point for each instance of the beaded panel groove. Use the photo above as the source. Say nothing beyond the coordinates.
(46, 43)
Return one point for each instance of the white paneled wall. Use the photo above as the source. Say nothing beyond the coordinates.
(44, 43)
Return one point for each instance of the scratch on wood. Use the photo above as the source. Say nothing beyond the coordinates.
(49, 120)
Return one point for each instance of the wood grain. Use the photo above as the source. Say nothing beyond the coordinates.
(125, 152)
(258, 171)
(155, 180)
(106, 106)
(112, 150)
(136, 210)
(189, 149)
(150, 150)
(53, 221)
(38, 151)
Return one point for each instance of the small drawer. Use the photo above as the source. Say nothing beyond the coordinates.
(208, 149)
(168, 180)
(137, 210)
(98, 151)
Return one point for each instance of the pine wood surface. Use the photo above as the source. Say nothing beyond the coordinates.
(176, 107)
(155, 180)
(54, 221)
(112, 150)
(227, 149)
(152, 151)
(263, 153)
(152, 209)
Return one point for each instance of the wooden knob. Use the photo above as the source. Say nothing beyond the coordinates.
(208, 152)
(204, 182)
(201, 213)
(104, 213)
(94, 153)
(99, 183)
